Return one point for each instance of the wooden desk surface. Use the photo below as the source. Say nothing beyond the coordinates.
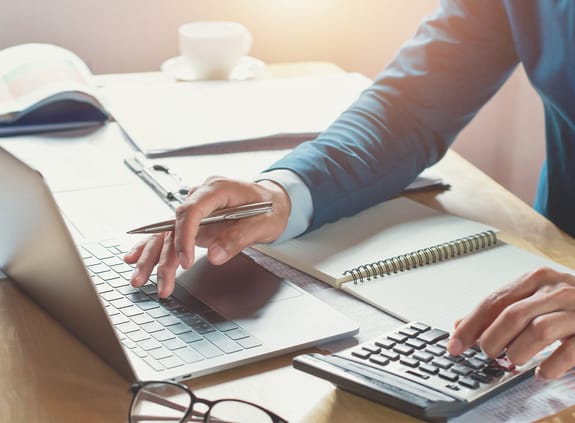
(47, 375)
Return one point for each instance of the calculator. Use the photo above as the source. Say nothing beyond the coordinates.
(409, 369)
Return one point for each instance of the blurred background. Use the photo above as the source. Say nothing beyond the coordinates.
(506, 139)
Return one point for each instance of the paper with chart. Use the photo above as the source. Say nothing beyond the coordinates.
(528, 401)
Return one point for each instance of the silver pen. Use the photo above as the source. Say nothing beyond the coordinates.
(232, 213)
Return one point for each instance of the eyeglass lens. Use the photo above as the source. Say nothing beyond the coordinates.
(232, 411)
(162, 402)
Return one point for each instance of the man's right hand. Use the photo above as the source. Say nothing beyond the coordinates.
(223, 240)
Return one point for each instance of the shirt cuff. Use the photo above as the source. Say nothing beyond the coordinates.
(300, 197)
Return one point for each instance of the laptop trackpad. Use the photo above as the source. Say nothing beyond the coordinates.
(238, 289)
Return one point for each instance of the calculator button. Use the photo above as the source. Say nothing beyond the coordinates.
(493, 371)
(372, 349)
(447, 375)
(385, 343)
(442, 363)
(469, 383)
(419, 326)
(474, 364)
(483, 357)
(481, 377)
(397, 337)
(403, 349)
(407, 331)
(432, 336)
(461, 369)
(454, 358)
(415, 343)
(361, 353)
(423, 356)
(378, 359)
(408, 361)
(393, 356)
(428, 369)
(435, 350)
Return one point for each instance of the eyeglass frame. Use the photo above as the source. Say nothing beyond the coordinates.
(194, 399)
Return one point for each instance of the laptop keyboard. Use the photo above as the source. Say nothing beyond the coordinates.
(165, 333)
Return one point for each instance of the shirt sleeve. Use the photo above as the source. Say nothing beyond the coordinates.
(300, 197)
(407, 119)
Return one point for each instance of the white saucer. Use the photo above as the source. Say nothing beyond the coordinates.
(248, 68)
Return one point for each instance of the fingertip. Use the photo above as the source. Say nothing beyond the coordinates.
(183, 259)
(136, 279)
(161, 287)
(455, 346)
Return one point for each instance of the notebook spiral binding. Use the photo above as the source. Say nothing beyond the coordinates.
(424, 256)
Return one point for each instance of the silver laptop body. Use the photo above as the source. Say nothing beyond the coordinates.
(38, 253)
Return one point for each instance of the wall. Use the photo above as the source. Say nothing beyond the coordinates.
(505, 139)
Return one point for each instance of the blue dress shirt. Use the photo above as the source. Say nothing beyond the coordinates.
(408, 118)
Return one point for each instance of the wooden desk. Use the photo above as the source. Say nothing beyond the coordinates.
(47, 375)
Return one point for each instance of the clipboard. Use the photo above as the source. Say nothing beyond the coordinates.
(167, 184)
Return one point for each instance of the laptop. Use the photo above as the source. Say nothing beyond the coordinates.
(218, 317)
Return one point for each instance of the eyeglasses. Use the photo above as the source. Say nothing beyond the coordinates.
(158, 401)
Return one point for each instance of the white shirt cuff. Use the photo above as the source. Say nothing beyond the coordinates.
(300, 197)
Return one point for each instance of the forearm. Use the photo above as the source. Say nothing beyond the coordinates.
(409, 117)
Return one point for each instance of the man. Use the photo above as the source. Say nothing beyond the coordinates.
(402, 124)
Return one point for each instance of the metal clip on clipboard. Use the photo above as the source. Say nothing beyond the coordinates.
(161, 179)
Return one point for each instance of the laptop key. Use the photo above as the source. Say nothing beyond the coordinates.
(111, 295)
(127, 327)
(168, 320)
(174, 344)
(118, 318)
(147, 305)
(131, 311)
(97, 250)
(190, 337)
(171, 362)
(237, 333)
(188, 355)
(142, 319)
(179, 328)
(207, 349)
(163, 335)
(223, 342)
(249, 342)
(149, 344)
(151, 327)
(121, 303)
(137, 336)
(154, 364)
(159, 353)
(156, 313)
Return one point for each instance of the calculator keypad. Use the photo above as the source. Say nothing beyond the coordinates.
(418, 352)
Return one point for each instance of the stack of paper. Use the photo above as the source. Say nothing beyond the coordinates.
(222, 116)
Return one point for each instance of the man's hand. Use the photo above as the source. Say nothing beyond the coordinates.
(523, 318)
(223, 240)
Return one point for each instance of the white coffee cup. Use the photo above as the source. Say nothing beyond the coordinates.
(213, 48)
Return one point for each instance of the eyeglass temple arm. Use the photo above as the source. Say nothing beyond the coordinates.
(158, 399)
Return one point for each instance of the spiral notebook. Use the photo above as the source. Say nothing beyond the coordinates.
(409, 260)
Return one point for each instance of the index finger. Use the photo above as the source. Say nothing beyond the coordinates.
(214, 194)
(482, 317)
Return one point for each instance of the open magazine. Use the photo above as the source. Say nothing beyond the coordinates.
(44, 87)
